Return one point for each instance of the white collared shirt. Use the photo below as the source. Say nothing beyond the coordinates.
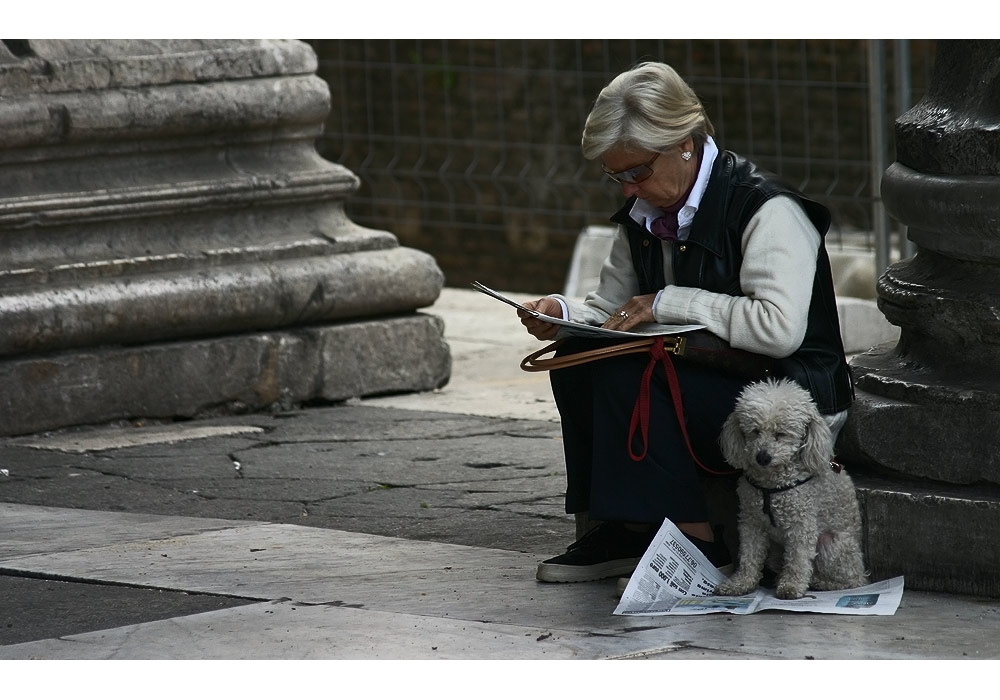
(644, 213)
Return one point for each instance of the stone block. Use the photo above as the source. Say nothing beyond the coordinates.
(955, 444)
(227, 374)
(193, 302)
(383, 357)
(592, 247)
(939, 539)
(862, 325)
(853, 272)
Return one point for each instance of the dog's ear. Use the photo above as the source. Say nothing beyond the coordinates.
(817, 450)
(731, 441)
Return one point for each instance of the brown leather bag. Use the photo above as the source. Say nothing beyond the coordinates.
(695, 346)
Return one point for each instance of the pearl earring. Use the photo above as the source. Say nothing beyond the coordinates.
(686, 155)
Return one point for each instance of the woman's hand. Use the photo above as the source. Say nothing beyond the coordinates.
(541, 329)
(633, 312)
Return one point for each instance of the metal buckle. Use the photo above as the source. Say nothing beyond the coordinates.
(677, 345)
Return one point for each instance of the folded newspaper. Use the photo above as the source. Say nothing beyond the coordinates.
(675, 578)
(586, 331)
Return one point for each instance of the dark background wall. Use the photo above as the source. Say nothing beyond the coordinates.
(469, 149)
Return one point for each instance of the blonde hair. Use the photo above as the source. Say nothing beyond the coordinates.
(647, 108)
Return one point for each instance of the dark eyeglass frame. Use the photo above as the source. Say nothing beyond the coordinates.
(632, 176)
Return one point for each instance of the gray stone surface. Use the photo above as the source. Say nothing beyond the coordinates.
(229, 374)
(383, 471)
(43, 529)
(927, 413)
(165, 215)
(940, 539)
(69, 606)
(404, 527)
(329, 594)
(143, 308)
(55, 65)
(953, 129)
(862, 325)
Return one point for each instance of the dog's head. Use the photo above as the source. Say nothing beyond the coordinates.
(775, 433)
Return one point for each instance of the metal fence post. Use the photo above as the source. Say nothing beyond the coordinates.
(877, 151)
(901, 55)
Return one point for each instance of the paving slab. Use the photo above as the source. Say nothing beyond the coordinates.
(286, 630)
(396, 527)
(39, 530)
(468, 602)
(76, 441)
(46, 608)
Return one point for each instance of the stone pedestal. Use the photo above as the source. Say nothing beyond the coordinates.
(172, 244)
(924, 435)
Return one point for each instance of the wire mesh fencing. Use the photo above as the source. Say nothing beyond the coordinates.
(469, 149)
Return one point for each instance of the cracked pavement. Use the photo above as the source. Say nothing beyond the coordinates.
(365, 469)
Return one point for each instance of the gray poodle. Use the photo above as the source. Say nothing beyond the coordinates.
(793, 498)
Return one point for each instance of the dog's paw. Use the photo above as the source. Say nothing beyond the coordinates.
(790, 591)
(735, 586)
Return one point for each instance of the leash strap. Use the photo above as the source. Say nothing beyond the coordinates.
(640, 412)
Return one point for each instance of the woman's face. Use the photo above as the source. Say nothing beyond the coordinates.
(672, 175)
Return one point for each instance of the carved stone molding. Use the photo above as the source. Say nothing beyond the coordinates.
(169, 191)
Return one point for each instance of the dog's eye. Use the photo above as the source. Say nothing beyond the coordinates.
(780, 436)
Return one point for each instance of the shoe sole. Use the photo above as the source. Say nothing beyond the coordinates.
(563, 573)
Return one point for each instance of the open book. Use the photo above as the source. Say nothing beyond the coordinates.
(583, 330)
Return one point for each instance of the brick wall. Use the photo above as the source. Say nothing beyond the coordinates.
(469, 149)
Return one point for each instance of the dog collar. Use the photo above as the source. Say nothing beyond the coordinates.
(766, 493)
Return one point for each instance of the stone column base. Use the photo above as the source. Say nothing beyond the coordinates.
(929, 500)
(224, 375)
(940, 538)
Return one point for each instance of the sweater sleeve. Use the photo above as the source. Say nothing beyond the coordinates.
(779, 246)
(617, 285)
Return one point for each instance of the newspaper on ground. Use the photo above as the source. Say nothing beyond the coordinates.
(675, 578)
(583, 330)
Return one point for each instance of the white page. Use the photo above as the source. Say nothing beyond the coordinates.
(674, 578)
(583, 330)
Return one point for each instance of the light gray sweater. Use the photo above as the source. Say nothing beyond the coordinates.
(780, 247)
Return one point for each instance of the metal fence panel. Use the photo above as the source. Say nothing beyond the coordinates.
(469, 149)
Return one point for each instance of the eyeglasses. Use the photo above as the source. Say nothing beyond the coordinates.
(632, 176)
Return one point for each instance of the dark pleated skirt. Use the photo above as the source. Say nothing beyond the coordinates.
(595, 402)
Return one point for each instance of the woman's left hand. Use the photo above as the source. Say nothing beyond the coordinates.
(635, 311)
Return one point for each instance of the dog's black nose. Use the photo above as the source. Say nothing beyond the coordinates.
(763, 458)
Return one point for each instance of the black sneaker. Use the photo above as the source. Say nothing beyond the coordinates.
(609, 550)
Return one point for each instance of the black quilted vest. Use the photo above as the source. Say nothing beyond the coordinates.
(711, 258)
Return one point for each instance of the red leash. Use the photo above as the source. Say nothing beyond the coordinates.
(640, 412)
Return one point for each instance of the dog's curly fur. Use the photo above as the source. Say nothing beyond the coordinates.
(778, 438)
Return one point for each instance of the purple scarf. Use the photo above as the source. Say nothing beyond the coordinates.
(665, 227)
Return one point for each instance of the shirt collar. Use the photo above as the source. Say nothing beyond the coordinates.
(643, 212)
